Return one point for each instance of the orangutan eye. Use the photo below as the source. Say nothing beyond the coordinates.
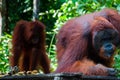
(31, 29)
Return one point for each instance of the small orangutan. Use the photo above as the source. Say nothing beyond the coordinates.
(28, 51)
(87, 44)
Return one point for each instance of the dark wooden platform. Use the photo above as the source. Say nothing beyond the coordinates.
(60, 76)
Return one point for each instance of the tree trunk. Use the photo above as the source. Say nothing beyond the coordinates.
(5, 27)
(36, 9)
(0, 17)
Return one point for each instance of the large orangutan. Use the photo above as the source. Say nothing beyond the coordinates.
(29, 47)
(87, 44)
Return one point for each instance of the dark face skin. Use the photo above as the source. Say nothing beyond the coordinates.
(105, 42)
(33, 34)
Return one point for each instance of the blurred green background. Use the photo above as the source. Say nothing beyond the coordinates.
(53, 13)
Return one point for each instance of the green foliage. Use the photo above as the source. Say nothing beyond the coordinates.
(17, 10)
(74, 8)
(5, 45)
(117, 64)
